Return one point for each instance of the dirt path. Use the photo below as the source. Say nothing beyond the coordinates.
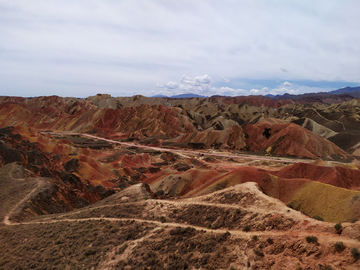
(240, 156)
(328, 239)
(40, 183)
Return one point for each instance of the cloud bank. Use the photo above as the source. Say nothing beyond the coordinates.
(203, 85)
(127, 47)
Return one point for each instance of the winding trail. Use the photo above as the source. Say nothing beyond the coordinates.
(240, 156)
(325, 238)
(329, 238)
(40, 183)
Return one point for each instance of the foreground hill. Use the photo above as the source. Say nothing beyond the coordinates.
(239, 227)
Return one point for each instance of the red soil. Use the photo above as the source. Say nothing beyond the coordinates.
(289, 139)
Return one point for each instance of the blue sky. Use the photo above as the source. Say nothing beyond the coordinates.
(123, 48)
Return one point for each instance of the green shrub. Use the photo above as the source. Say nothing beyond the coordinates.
(238, 211)
(255, 238)
(162, 219)
(258, 252)
(290, 205)
(247, 228)
(339, 246)
(338, 227)
(318, 218)
(354, 220)
(311, 239)
(90, 251)
(355, 253)
(328, 267)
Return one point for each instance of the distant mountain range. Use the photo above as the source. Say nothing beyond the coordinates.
(188, 95)
(351, 91)
(347, 89)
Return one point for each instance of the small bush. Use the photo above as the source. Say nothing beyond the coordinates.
(90, 251)
(247, 228)
(255, 238)
(338, 227)
(355, 253)
(259, 252)
(318, 218)
(290, 205)
(238, 211)
(328, 267)
(354, 220)
(232, 268)
(270, 241)
(162, 219)
(339, 246)
(311, 239)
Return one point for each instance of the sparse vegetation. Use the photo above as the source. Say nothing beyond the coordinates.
(328, 267)
(238, 211)
(354, 220)
(311, 239)
(338, 227)
(247, 228)
(162, 219)
(339, 246)
(318, 218)
(270, 241)
(64, 245)
(258, 252)
(355, 253)
(90, 251)
(255, 238)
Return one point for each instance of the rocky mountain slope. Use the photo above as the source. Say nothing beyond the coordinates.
(216, 171)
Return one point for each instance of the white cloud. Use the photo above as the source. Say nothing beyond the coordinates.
(172, 85)
(286, 84)
(202, 85)
(198, 85)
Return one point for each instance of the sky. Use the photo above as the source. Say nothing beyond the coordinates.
(81, 48)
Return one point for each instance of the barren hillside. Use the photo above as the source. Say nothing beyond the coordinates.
(204, 183)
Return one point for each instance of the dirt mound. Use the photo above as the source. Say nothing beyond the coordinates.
(230, 138)
(136, 122)
(336, 176)
(289, 139)
(315, 128)
(327, 202)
